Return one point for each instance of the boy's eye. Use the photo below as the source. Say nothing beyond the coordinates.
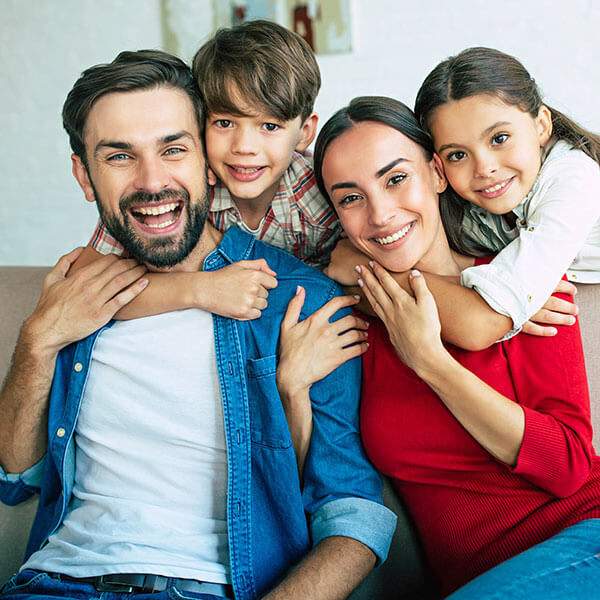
(455, 156)
(223, 123)
(499, 139)
(270, 126)
(396, 179)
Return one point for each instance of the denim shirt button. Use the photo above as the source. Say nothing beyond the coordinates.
(230, 365)
(238, 509)
(78, 367)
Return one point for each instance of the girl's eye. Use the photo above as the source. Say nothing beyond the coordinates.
(223, 123)
(455, 156)
(396, 179)
(499, 139)
(270, 126)
(348, 199)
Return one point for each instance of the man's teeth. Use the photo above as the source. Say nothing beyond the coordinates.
(157, 210)
(161, 225)
(495, 188)
(395, 236)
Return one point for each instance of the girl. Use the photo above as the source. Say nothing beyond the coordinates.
(525, 180)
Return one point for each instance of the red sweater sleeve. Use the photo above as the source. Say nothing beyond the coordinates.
(550, 383)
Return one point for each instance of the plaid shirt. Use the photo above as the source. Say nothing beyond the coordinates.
(299, 219)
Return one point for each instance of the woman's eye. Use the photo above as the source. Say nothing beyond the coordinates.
(349, 199)
(223, 123)
(456, 156)
(499, 139)
(270, 126)
(396, 179)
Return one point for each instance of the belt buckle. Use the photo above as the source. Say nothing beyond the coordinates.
(114, 586)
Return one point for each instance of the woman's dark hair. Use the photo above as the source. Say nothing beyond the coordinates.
(129, 71)
(377, 109)
(488, 71)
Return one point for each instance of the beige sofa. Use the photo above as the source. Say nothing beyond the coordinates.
(402, 576)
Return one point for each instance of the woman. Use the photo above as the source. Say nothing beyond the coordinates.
(491, 450)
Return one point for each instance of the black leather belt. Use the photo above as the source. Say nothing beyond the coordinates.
(140, 582)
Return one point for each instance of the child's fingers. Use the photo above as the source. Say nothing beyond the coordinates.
(548, 317)
(540, 330)
(292, 314)
(258, 264)
(559, 305)
(566, 287)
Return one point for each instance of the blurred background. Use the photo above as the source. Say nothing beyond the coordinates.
(379, 47)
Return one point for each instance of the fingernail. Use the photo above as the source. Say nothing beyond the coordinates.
(415, 273)
(144, 283)
(371, 263)
(357, 268)
(357, 297)
(367, 323)
(298, 288)
(571, 320)
(361, 282)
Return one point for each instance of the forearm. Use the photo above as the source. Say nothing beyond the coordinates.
(494, 421)
(24, 405)
(331, 571)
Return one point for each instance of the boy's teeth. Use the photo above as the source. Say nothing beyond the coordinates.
(394, 237)
(157, 210)
(247, 169)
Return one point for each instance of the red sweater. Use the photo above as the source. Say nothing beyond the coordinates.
(470, 510)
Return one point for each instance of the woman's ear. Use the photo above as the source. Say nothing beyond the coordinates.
(438, 168)
(308, 130)
(543, 123)
(80, 173)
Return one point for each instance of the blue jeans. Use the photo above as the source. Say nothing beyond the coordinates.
(564, 566)
(40, 586)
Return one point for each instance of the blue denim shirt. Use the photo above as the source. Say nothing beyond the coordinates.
(272, 520)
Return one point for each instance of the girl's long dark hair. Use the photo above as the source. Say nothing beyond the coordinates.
(488, 71)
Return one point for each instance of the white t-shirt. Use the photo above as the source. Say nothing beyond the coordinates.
(558, 231)
(150, 491)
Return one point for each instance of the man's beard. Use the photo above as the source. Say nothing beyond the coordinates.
(164, 251)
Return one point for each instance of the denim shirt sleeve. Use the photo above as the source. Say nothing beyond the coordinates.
(17, 487)
(342, 490)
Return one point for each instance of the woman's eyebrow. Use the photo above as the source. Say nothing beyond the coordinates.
(389, 166)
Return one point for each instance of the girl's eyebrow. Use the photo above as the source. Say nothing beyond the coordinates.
(483, 135)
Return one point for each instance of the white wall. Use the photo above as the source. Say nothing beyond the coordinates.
(47, 43)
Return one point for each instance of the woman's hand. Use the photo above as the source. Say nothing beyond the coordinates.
(413, 323)
(308, 351)
(311, 349)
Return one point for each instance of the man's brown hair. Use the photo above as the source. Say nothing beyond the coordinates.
(261, 64)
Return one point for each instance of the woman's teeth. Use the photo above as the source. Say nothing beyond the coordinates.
(395, 236)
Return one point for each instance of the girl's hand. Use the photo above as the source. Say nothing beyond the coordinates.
(344, 259)
(555, 311)
(413, 323)
(311, 349)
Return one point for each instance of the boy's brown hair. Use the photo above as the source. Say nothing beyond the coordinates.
(262, 64)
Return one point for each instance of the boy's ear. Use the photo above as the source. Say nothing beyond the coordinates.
(83, 178)
(544, 125)
(438, 168)
(307, 132)
(212, 178)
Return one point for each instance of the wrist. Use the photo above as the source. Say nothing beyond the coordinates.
(35, 341)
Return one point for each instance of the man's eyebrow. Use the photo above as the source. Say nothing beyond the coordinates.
(177, 136)
(483, 135)
(111, 144)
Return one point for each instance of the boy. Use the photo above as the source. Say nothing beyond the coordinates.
(259, 82)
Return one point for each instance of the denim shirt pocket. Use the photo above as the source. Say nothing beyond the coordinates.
(268, 425)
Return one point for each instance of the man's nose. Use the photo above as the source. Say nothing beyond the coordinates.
(152, 176)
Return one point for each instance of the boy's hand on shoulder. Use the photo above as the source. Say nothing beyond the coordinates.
(240, 290)
(344, 258)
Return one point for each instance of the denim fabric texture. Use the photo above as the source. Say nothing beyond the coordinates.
(33, 584)
(566, 565)
(272, 523)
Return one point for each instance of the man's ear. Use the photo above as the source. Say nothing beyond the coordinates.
(543, 123)
(438, 167)
(307, 132)
(80, 173)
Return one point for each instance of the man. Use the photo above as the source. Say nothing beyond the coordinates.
(159, 445)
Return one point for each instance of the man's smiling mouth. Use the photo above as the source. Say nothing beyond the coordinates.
(157, 217)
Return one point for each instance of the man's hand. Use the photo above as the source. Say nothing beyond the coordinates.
(71, 308)
(239, 291)
(555, 311)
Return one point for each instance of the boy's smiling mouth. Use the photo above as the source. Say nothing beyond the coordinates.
(245, 173)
